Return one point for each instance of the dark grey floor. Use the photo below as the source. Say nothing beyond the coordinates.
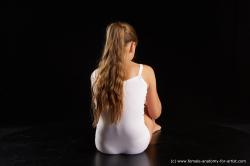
(73, 145)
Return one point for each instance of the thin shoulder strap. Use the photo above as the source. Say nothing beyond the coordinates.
(140, 70)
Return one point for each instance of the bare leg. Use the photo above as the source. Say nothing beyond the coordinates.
(151, 124)
(154, 125)
(157, 127)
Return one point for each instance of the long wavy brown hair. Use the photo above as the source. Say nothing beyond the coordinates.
(107, 88)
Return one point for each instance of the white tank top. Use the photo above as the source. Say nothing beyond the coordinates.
(130, 135)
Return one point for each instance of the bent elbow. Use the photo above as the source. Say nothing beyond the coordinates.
(157, 113)
(155, 110)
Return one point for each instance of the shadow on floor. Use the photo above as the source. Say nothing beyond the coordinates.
(63, 144)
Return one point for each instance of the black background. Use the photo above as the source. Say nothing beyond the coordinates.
(199, 52)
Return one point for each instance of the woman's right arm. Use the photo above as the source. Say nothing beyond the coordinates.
(152, 100)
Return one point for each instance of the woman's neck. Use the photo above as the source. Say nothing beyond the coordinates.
(129, 63)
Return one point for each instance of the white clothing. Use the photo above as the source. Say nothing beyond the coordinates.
(130, 135)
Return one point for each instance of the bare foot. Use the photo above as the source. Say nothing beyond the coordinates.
(156, 127)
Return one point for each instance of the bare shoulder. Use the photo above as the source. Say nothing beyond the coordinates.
(148, 70)
(148, 73)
